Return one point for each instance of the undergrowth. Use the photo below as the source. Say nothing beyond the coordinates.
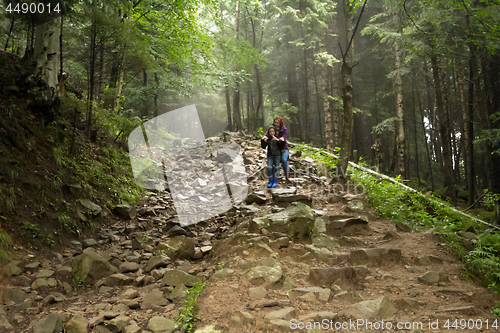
(189, 309)
(45, 172)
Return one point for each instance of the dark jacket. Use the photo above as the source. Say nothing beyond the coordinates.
(274, 148)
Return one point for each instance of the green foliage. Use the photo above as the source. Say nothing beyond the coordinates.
(261, 132)
(312, 231)
(491, 199)
(484, 260)
(189, 309)
(31, 228)
(5, 244)
(320, 155)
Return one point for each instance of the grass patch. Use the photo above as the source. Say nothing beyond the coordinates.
(189, 309)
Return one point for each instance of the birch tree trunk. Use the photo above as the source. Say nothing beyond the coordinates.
(45, 52)
(398, 83)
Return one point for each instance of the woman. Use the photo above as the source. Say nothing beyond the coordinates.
(281, 134)
(274, 149)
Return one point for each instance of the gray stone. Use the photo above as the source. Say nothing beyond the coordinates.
(379, 308)
(91, 207)
(280, 243)
(12, 269)
(54, 297)
(129, 267)
(118, 280)
(120, 307)
(350, 296)
(400, 226)
(32, 266)
(125, 211)
(320, 225)
(407, 303)
(118, 324)
(327, 276)
(294, 221)
(13, 295)
(39, 283)
(292, 198)
(21, 281)
(90, 266)
(50, 324)
(129, 294)
(376, 256)
(433, 277)
(4, 323)
(354, 206)
(265, 273)
(180, 247)
(353, 226)
(175, 277)
(285, 313)
(132, 328)
(257, 197)
(222, 274)
(154, 298)
(89, 242)
(77, 324)
(323, 293)
(176, 231)
(257, 293)
(156, 262)
(178, 293)
(44, 274)
(427, 260)
(159, 324)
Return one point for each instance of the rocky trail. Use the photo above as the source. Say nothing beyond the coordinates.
(281, 261)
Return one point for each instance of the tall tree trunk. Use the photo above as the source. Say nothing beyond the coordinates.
(119, 83)
(293, 96)
(318, 104)
(306, 90)
(102, 70)
(91, 83)
(346, 73)
(328, 88)
(429, 159)
(228, 109)
(155, 100)
(464, 136)
(444, 131)
(400, 140)
(236, 94)
(415, 130)
(45, 52)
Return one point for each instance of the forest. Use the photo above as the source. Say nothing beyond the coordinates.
(409, 87)
(402, 94)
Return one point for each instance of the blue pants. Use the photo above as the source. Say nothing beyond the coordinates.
(273, 166)
(284, 161)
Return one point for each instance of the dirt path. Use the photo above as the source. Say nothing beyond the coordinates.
(297, 257)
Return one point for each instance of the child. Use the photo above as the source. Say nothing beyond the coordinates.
(274, 147)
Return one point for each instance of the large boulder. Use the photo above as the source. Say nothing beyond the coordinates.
(90, 266)
(296, 220)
